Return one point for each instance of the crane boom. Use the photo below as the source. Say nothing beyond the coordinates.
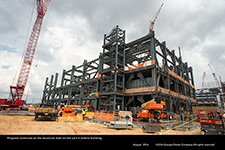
(18, 90)
(215, 78)
(203, 81)
(153, 22)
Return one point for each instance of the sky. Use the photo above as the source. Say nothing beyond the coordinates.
(73, 30)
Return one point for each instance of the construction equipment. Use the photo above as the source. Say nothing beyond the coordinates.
(46, 112)
(17, 91)
(67, 110)
(220, 100)
(153, 109)
(153, 22)
(211, 121)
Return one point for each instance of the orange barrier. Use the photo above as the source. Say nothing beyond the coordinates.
(72, 118)
(104, 116)
(31, 108)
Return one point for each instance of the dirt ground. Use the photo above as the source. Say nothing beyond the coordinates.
(26, 125)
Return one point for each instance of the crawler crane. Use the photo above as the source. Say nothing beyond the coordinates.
(17, 91)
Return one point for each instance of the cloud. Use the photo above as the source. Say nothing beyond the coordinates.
(73, 30)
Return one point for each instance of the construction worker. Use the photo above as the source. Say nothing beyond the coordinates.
(75, 112)
(83, 113)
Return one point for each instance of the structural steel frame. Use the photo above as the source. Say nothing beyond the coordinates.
(125, 75)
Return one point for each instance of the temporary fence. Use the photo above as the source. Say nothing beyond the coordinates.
(104, 115)
(108, 116)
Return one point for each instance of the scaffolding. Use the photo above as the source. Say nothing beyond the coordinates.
(126, 75)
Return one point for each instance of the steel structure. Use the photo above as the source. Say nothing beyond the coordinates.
(208, 96)
(126, 75)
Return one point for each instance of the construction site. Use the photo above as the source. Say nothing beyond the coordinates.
(140, 87)
(124, 76)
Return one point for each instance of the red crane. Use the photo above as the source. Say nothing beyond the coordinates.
(18, 90)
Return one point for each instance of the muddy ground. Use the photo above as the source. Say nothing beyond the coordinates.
(26, 125)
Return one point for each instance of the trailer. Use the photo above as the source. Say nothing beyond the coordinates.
(120, 124)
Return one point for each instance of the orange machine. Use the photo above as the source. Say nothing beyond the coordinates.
(66, 111)
(155, 108)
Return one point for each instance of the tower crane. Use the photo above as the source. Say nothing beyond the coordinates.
(17, 91)
(153, 22)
